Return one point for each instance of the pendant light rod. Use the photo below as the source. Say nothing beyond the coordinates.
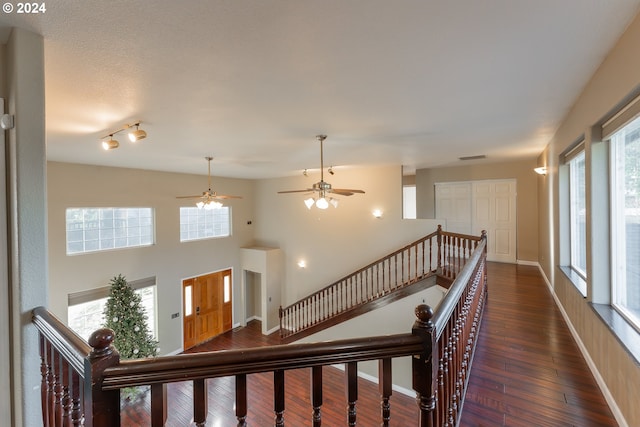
(209, 158)
(321, 138)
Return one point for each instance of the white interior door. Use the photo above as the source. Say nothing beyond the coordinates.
(473, 206)
(453, 204)
(494, 210)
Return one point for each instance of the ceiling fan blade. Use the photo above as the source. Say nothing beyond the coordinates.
(190, 197)
(225, 196)
(346, 191)
(295, 191)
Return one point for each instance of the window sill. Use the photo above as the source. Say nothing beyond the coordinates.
(575, 278)
(626, 334)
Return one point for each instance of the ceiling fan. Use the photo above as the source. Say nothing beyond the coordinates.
(209, 199)
(321, 189)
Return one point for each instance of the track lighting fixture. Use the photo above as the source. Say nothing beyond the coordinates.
(330, 170)
(134, 135)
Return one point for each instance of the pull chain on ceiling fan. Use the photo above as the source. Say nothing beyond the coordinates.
(321, 189)
(209, 199)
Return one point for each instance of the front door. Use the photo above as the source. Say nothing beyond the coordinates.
(207, 307)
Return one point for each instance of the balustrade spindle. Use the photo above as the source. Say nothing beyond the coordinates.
(385, 387)
(351, 386)
(76, 392)
(278, 397)
(241, 400)
(200, 402)
(316, 395)
(57, 389)
(44, 372)
(159, 405)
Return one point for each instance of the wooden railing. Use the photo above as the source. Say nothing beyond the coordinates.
(440, 254)
(81, 382)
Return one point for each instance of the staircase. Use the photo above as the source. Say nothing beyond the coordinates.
(434, 259)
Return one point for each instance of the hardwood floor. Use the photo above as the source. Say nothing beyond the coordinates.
(527, 371)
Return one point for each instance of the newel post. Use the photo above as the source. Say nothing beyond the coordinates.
(425, 365)
(101, 408)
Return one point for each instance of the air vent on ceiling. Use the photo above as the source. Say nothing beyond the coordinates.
(481, 156)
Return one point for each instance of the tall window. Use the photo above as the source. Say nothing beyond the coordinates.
(625, 220)
(577, 214)
(98, 229)
(85, 309)
(198, 224)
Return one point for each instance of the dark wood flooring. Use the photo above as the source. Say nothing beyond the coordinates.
(527, 371)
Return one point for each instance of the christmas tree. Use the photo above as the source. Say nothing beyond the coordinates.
(125, 314)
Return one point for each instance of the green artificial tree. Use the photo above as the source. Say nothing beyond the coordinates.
(125, 314)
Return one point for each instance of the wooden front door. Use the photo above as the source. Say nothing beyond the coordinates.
(207, 307)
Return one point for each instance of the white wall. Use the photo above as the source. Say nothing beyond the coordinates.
(395, 318)
(336, 241)
(71, 185)
(23, 68)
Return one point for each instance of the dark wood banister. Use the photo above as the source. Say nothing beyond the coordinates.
(81, 382)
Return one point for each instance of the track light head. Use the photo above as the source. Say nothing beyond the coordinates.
(138, 134)
(330, 170)
(110, 144)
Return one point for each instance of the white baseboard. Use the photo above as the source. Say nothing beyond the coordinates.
(174, 352)
(525, 262)
(587, 357)
(272, 330)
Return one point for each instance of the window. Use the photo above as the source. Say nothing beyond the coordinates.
(577, 215)
(409, 201)
(196, 224)
(85, 311)
(625, 221)
(99, 229)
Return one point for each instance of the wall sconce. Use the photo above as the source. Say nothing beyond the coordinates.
(134, 135)
(302, 263)
(542, 170)
(377, 213)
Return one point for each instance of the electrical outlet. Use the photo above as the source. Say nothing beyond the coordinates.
(174, 315)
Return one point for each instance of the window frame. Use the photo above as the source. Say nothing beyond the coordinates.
(576, 249)
(618, 220)
(106, 228)
(202, 223)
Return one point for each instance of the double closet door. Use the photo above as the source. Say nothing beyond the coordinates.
(207, 307)
(472, 206)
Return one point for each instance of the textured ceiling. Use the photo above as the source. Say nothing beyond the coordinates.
(251, 82)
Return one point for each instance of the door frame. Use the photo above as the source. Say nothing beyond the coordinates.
(233, 298)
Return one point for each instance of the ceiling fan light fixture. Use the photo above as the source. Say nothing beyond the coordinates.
(322, 203)
(309, 202)
(334, 202)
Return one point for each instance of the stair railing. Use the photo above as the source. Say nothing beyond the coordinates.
(440, 253)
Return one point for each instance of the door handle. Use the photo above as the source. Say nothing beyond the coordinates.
(197, 310)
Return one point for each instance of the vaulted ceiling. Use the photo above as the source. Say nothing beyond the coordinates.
(251, 82)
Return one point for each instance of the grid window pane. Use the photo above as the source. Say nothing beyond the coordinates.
(96, 229)
(577, 212)
(198, 224)
(625, 215)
